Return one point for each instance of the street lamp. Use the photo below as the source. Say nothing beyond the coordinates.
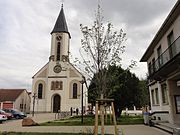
(34, 97)
(82, 82)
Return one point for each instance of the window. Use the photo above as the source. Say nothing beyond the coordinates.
(153, 65)
(172, 48)
(60, 85)
(153, 98)
(75, 90)
(21, 106)
(160, 58)
(177, 103)
(58, 51)
(52, 85)
(170, 38)
(164, 93)
(40, 90)
(56, 85)
(157, 96)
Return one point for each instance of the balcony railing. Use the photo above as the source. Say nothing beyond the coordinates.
(172, 51)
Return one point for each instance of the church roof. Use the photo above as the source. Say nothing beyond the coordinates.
(61, 25)
(10, 94)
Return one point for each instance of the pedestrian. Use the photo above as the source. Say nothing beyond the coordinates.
(71, 111)
(146, 115)
(77, 111)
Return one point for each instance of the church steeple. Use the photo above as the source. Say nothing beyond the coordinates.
(60, 39)
(61, 25)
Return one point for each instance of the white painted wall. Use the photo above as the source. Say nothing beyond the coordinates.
(175, 27)
(46, 104)
(23, 98)
(64, 44)
(172, 88)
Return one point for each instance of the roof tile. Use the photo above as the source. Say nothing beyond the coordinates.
(10, 94)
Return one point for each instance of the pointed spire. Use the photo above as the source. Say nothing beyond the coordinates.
(61, 25)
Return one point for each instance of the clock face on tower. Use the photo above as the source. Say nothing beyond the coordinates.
(58, 37)
(57, 69)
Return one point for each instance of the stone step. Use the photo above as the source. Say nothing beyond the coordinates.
(164, 128)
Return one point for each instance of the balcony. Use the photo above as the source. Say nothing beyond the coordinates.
(167, 62)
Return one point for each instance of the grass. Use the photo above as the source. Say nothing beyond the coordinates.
(73, 121)
(90, 120)
(76, 121)
(28, 133)
(130, 120)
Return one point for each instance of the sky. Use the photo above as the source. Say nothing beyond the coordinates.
(25, 27)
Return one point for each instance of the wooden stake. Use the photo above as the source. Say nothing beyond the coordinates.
(102, 119)
(96, 120)
(110, 115)
(106, 115)
(114, 119)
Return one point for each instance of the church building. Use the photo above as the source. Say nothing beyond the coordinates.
(58, 85)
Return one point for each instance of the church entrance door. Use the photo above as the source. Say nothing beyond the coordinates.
(56, 103)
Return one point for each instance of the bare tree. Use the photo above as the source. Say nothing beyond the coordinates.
(101, 48)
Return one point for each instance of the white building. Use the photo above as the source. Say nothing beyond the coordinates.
(57, 85)
(16, 99)
(163, 60)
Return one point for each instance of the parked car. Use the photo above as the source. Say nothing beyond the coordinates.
(16, 113)
(8, 115)
(3, 118)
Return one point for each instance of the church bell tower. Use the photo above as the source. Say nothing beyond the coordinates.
(60, 38)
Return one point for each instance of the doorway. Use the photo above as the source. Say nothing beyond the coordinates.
(56, 103)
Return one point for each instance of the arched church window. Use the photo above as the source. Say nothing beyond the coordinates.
(75, 90)
(58, 51)
(40, 90)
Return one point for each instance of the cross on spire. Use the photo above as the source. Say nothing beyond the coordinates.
(62, 1)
